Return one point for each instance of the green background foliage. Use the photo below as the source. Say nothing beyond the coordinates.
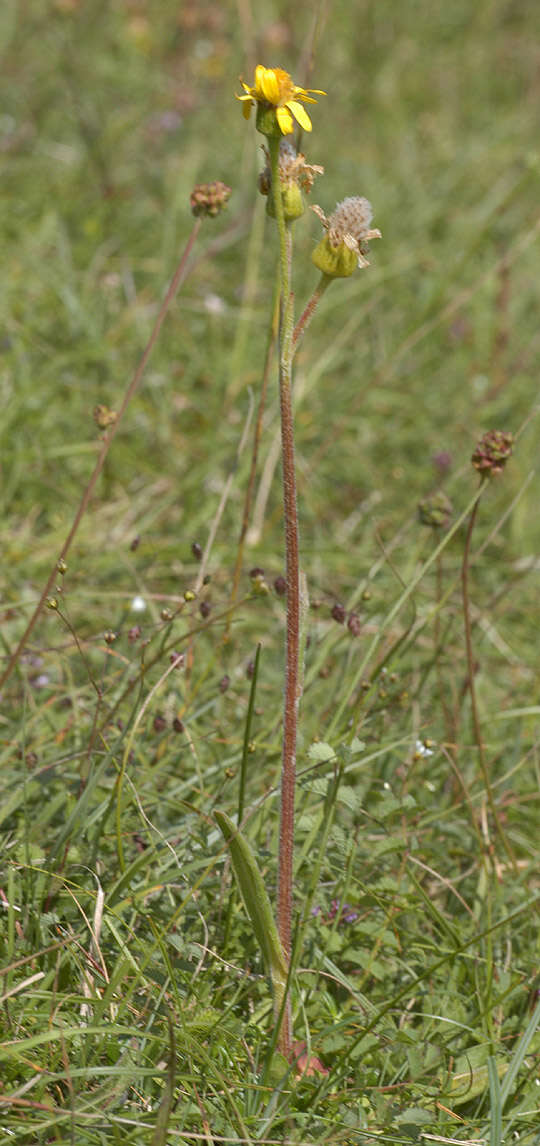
(417, 936)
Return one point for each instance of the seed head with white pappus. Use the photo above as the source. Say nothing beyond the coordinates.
(345, 245)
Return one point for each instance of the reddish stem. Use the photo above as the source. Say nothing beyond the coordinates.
(472, 687)
(309, 311)
(288, 774)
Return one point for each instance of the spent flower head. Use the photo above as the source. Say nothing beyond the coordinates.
(278, 101)
(295, 176)
(293, 169)
(345, 245)
(492, 452)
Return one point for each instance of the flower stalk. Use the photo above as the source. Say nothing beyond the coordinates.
(279, 104)
(309, 310)
(471, 668)
(291, 697)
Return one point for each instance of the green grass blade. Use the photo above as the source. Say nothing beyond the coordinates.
(165, 1107)
(519, 1055)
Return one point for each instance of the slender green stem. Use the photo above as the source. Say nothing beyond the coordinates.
(290, 711)
(247, 737)
(242, 783)
(471, 682)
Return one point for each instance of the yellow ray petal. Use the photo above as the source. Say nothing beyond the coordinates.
(300, 114)
(269, 86)
(285, 120)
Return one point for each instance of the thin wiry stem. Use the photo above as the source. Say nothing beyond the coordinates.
(471, 682)
(108, 439)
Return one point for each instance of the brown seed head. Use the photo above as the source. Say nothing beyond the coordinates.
(208, 199)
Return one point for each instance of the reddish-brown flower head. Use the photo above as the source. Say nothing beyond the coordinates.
(492, 452)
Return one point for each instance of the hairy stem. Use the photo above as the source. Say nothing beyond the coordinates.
(290, 710)
(309, 311)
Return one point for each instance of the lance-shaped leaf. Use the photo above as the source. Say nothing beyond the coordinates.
(257, 905)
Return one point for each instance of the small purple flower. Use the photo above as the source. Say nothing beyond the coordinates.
(344, 912)
(350, 915)
(442, 461)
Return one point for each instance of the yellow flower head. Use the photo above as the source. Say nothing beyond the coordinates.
(274, 89)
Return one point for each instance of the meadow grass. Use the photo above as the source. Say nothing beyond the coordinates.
(135, 1005)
